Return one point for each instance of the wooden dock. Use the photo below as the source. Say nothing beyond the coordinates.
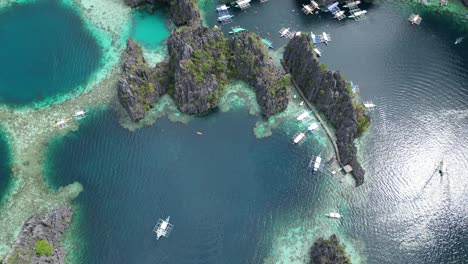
(331, 136)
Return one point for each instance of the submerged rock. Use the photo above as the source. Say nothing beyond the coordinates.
(328, 251)
(329, 92)
(49, 227)
(139, 86)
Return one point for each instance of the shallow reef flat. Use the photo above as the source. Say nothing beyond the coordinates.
(28, 129)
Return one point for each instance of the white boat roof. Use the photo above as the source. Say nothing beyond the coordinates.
(302, 116)
(318, 159)
(299, 137)
(313, 126)
(360, 12)
(81, 112)
(61, 122)
(164, 225)
(325, 36)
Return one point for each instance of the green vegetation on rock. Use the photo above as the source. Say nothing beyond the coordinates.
(43, 248)
(363, 121)
(329, 251)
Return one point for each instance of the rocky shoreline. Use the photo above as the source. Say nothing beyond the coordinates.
(201, 63)
(328, 251)
(49, 227)
(330, 93)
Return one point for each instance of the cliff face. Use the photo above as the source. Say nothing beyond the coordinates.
(251, 63)
(199, 65)
(49, 227)
(328, 91)
(203, 62)
(139, 86)
(328, 251)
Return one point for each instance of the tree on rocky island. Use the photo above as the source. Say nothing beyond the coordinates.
(328, 251)
(43, 248)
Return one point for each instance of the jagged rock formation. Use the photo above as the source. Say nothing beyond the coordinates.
(139, 86)
(199, 65)
(49, 227)
(330, 94)
(252, 64)
(328, 251)
(203, 62)
(183, 12)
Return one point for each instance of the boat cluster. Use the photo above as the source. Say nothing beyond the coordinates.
(315, 162)
(355, 12)
(63, 123)
(311, 128)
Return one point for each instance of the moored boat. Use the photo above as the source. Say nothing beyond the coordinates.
(333, 215)
(317, 162)
(163, 228)
(298, 138)
(302, 116)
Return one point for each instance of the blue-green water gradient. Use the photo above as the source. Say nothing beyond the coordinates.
(45, 51)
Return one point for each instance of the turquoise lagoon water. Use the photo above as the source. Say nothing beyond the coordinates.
(46, 51)
(149, 29)
(237, 199)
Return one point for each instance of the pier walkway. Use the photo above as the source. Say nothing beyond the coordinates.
(331, 136)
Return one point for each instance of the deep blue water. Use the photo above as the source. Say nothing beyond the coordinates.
(5, 168)
(226, 190)
(223, 190)
(46, 51)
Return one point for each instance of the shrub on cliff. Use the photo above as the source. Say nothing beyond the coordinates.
(43, 248)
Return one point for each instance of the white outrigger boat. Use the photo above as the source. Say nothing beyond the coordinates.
(325, 38)
(317, 162)
(369, 105)
(352, 4)
(415, 19)
(458, 40)
(339, 14)
(163, 228)
(442, 168)
(61, 124)
(79, 114)
(299, 138)
(303, 116)
(333, 215)
(284, 32)
(318, 52)
(312, 127)
(358, 14)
